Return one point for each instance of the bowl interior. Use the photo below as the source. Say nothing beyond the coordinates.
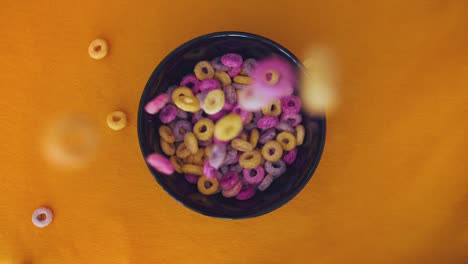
(181, 62)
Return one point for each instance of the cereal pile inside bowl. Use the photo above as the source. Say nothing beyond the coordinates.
(231, 127)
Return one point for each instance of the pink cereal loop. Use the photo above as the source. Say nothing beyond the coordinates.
(246, 193)
(160, 163)
(233, 191)
(234, 72)
(153, 106)
(255, 179)
(290, 156)
(229, 180)
(191, 178)
(209, 85)
(232, 60)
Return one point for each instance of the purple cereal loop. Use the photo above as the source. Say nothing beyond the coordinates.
(291, 104)
(291, 119)
(232, 60)
(230, 94)
(182, 114)
(239, 86)
(276, 169)
(249, 65)
(245, 115)
(224, 169)
(250, 126)
(178, 126)
(246, 193)
(267, 135)
(255, 179)
(265, 183)
(231, 157)
(170, 90)
(227, 106)
(201, 97)
(237, 168)
(191, 82)
(191, 178)
(217, 65)
(168, 113)
(205, 143)
(216, 116)
(267, 122)
(197, 116)
(209, 84)
(290, 156)
(218, 154)
(283, 126)
(229, 180)
(234, 72)
(209, 171)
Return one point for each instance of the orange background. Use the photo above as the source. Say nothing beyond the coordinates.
(392, 184)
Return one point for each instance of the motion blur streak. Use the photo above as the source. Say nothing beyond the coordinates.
(318, 87)
(69, 141)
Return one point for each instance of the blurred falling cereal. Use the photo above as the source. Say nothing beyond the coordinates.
(318, 85)
(69, 141)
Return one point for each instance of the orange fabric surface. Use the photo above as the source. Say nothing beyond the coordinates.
(392, 186)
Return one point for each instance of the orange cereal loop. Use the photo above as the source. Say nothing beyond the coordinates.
(254, 136)
(250, 160)
(184, 99)
(167, 134)
(182, 151)
(197, 160)
(241, 145)
(207, 186)
(203, 70)
(287, 140)
(204, 129)
(177, 163)
(192, 169)
(208, 150)
(273, 108)
(272, 151)
(228, 127)
(191, 142)
(223, 77)
(200, 153)
(243, 136)
(242, 79)
(300, 132)
(214, 102)
(98, 49)
(167, 148)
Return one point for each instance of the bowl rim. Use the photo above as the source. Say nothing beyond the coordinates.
(141, 113)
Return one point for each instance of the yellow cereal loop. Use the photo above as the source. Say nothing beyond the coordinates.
(287, 140)
(254, 136)
(192, 169)
(228, 127)
(241, 145)
(167, 148)
(198, 161)
(189, 160)
(98, 49)
(272, 151)
(184, 99)
(203, 70)
(223, 77)
(177, 163)
(204, 129)
(242, 79)
(250, 160)
(117, 120)
(200, 153)
(207, 186)
(182, 151)
(191, 142)
(214, 102)
(167, 134)
(273, 108)
(300, 132)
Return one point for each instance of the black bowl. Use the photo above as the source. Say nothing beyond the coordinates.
(180, 62)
